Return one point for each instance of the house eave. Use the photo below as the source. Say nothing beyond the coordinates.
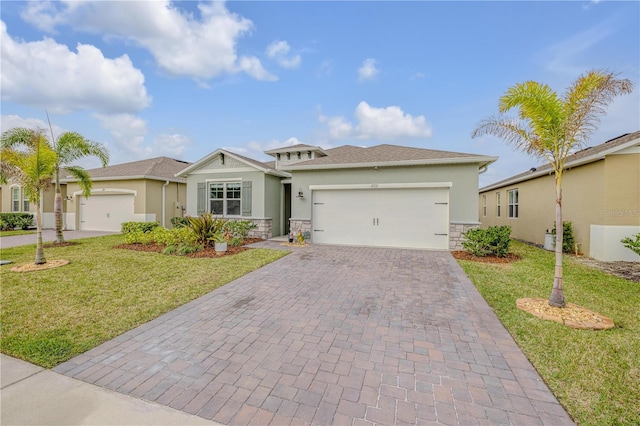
(571, 164)
(133, 177)
(480, 160)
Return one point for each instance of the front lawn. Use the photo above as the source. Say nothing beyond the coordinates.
(16, 232)
(50, 316)
(594, 374)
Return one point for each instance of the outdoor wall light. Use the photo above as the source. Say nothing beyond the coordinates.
(300, 193)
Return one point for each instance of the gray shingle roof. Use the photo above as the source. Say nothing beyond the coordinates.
(348, 154)
(585, 155)
(159, 168)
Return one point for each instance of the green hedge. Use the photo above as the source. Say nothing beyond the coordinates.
(138, 226)
(9, 221)
(493, 241)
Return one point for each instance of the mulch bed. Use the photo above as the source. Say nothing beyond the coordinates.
(463, 255)
(207, 252)
(571, 315)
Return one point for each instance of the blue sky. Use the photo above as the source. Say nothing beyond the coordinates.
(181, 79)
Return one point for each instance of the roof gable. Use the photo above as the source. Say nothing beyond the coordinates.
(221, 158)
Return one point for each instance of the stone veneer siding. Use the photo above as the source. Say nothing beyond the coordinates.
(264, 228)
(301, 224)
(456, 231)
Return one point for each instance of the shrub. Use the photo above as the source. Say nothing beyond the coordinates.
(205, 227)
(179, 222)
(240, 228)
(137, 236)
(631, 244)
(568, 241)
(494, 241)
(4, 226)
(142, 226)
(235, 242)
(24, 222)
(16, 220)
(187, 249)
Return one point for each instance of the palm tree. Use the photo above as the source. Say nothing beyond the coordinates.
(27, 158)
(551, 127)
(69, 147)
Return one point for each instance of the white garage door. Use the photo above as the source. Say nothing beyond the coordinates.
(387, 217)
(105, 212)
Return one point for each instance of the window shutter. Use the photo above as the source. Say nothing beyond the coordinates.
(202, 195)
(246, 198)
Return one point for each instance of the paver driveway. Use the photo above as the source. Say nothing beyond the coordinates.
(332, 335)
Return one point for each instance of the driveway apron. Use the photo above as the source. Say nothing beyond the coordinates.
(332, 335)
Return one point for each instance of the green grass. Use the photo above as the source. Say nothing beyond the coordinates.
(16, 232)
(594, 374)
(50, 316)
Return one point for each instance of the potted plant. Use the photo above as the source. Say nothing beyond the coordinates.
(220, 240)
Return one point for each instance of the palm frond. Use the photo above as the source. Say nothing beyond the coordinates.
(84, 180)
(585, 101)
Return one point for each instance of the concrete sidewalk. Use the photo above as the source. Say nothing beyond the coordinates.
(32, 395)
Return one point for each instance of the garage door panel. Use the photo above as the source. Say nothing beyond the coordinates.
(106, 212)
(398, 217)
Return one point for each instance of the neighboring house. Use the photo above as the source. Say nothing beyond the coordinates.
(385, 195)
(142, 191)
(600, 196)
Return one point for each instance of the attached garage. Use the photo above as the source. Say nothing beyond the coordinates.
(388, 215)
(106, 212)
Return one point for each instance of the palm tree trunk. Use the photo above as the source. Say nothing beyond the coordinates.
(57, 210)
(557, 294)
(40, 259)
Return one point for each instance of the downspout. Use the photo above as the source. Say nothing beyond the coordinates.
(164, 207)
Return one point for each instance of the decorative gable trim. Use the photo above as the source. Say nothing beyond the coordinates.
(218, 161)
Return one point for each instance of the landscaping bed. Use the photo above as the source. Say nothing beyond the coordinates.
(205, 252)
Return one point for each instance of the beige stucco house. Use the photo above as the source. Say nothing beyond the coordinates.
(601, 197)
(386, 195)
(142, 191)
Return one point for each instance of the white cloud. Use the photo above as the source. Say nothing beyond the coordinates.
(170, 145)
(182, 44)
(11, 121)
(128, 133)
(368, 70)
(46, 74)
(279, 51)
(388, 123)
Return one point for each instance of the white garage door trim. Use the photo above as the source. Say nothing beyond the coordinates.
(406, 215)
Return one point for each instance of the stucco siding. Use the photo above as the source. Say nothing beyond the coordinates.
(583, 195)
(175, 197)
(257, 179)
(622, 190)
(463, 195)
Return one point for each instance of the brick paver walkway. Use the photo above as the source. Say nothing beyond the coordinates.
(332, 335)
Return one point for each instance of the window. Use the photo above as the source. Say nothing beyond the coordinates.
(15, 199)
(498, 205)
(225, 198)
(484, 205)
(25, 204)
(513, 203)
